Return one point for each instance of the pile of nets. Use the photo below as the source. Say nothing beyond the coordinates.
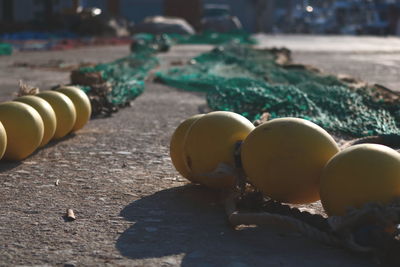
(162, 42)
(5, 49)
(250, 82)
(115, 84)
(146, 42)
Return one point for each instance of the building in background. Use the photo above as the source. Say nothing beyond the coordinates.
(28, 10)
(137, 10)
(191, 11)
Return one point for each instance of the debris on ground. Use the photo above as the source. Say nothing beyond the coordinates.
(70, 215)
(52, 65)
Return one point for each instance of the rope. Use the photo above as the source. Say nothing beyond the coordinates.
(269, 219)
(334, 231)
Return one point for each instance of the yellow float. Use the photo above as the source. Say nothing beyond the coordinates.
(176, 146)
(3, 140)
(46, 112)
(82, 105)
(358, 175)
(24, 128)
(284, 159)
(209, 147)
(64, 109)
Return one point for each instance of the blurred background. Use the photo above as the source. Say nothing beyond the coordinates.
(124, 17)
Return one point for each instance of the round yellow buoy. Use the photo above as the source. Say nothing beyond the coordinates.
(82, 105)
(176, 146)
(284, 159)
(46, 112)
(209, 147)
(24, 128)
(64, 109)
(358, 175)
(3, 140)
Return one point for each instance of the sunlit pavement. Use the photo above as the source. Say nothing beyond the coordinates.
(332, 43)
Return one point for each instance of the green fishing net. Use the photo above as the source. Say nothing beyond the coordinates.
(162, 42)
(248, 81)
(124, 77)
(146, 42)
(5, 49)
(116, 83)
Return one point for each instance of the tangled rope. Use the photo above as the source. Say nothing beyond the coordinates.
(372, 229)
(361, 231)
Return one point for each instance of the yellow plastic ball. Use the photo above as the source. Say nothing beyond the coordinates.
(46, 112)
(82, 105)
(24, 128)
(210, 144)
(3, 140)
(284, 159)
(176, 146)
(358, 175)
(64, 109)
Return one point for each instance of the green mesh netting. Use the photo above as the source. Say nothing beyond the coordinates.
(125, 76)
(146, 42)
(248, 81)
(5, 49)
(162, 42)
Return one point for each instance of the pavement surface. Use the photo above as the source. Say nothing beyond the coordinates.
(132, 207)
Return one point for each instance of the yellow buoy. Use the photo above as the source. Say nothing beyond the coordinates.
(176, 146)
(358, 175)
(24, 128)
(284, 158)
(46, 112)
(3, 140)
(64, 109)
(209, 147)
(82, 105)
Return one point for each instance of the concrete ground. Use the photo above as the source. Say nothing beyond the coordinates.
(132, 207)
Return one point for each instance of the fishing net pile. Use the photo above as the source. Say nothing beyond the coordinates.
(5, 49)
(253, 82)
(162, 42)
(115, 84)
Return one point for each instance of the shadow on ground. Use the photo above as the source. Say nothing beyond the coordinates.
(6, 165)
(190, 220)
